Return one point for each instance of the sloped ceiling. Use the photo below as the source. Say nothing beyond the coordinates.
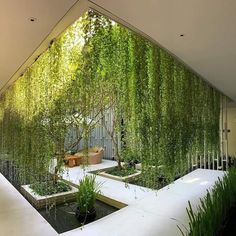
(208, 45)
(20, 37)
(209, 27)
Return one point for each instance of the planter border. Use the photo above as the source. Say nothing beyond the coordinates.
(41, 201)
(127, 178)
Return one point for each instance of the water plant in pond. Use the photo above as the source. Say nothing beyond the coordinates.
(88, 191)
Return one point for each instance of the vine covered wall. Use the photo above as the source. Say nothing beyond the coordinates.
(163, 112)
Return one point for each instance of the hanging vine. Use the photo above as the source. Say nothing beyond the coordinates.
(162, 112)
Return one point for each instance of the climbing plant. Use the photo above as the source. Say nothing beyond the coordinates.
(163, 112)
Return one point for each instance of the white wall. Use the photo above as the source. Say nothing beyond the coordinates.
(232, 133)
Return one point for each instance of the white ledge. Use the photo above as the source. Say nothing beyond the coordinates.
(17, 216)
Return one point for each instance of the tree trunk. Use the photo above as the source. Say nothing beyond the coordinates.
(59, 157)
(116, 152)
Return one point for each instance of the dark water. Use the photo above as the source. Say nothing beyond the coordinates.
(62, 218)
(230, 224)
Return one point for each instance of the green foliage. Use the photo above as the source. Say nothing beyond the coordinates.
(210, 216)
(49, 188)
(88, 191)
(162, 112)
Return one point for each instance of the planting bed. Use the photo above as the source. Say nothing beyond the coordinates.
(41, 201)
(160, 183)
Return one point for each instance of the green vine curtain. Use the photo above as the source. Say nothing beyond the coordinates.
(163, 111)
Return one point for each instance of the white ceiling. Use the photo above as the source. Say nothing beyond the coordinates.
(208, 45)
(209, 26)
(19, 37)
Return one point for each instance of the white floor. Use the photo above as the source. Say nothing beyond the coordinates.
(17, 216)
(148, 212)
(119, 191)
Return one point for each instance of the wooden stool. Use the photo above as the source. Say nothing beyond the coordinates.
(72, 160)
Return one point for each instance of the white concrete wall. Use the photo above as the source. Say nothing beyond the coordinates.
(232, 133)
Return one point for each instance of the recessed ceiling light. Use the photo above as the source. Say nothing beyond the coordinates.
(32, 19)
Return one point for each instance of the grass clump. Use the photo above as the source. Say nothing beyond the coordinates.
(88, 191)
(213, 210)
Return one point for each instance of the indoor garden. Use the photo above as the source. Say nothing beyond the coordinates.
(100, 81)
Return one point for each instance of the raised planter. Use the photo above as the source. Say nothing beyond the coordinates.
(41, 201)
(127, 178)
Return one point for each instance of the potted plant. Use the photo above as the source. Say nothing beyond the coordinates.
(88, 190)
